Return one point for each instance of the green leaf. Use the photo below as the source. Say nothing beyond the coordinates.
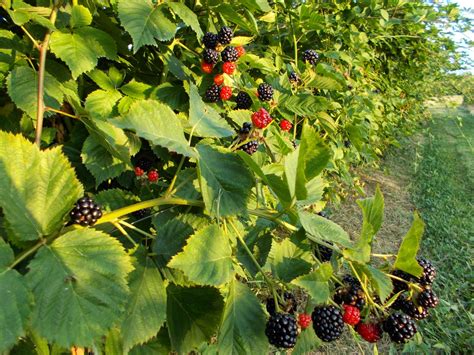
(80, 16)
(304, 104)
(113, 199)
(74, 50)
(193, 315)
(100, 163)
(289, 259)
(145, 312)
(372, 210)
(15, 308)
(243, 325)
(101, 42)
(307, 342)
(207, 257)
(100, 103)
(223, 194)
(380, 281)
(158, 345)
(188, 17)
(145, 22)
(172, 235)
(6, 255)
(80, 287)
(156, 122)
(37, 188)
(22, 84)
(316, 283)
(406, 257)
(205, 120)
(319, 228)
(324, 83)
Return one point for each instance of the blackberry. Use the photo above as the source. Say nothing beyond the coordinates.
(355, 297)
(225, 35)
(428, 299)
(282, 330)
(410, 309)
(294, 78)
(229, 54)
(310, 56)
(399, 303)
(243, 100)
(400, 285)
(85, 212)
(351, 281)
(210, 56)
(338, 296)
(265, 92)
(323, 214)
(213, 93)
(250, 147)
(210, 40)
(246, 127)
(327, 323)
(429, 272)
(289, 306)
(399, 327)
(141, 213)
(323, 253)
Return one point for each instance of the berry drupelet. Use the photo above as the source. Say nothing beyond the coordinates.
(210, 40)
(85, 212)
(429, 272)
(428, 299)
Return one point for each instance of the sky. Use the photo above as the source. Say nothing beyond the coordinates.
(459, 37)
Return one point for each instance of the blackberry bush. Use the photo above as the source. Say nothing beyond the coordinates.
(85, 212)
(399, 327)
(210, 56)
(213, 93)
(229, 54)
(210, 40)
(225, 35)
(310, 56)
(265, 92)
(243, 101)
(282, 330)
(428, 299)
(327, 323)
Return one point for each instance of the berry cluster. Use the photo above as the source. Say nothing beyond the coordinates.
(85, 212)
(214, 43)
(350, 293)
(249, 147)
(310, 56)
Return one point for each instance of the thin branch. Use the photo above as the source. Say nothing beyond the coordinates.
(47, 108)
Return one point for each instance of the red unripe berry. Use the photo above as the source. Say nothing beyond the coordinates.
(240, 51)
(219, 79)
(261, 118)
(138, 171)
(285, 125)
(369, 331)
(153, 176)
(351, 315)
(207, 68)
(228, 67)
(226, 93)
(304, 320)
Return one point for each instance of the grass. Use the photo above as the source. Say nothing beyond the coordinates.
(432, 172)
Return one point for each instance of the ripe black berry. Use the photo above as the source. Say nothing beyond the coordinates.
(410, 309)
(351, 281)
(399, 327)
(310, 56)
(265, 92)
(294, 78)
(246, 127)
(399, 285)
(327, 322)
(281, 330)
(210, 40)
(225, 35)
(210, 56)
(429, 272)
(249, 147)
(213, 93)
(427, 298)
(85, 212)
(355, 297)
(323, 253)
(229, 54)
(243, 100)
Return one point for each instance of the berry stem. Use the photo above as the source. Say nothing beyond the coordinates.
(126, 235)
(169, 190)
(47, 108)
(362, 284)
(252, 257)
(32, 250)
(40, 109)
(28, 34)
(136, 229)
(410, 284)
(383, 256)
